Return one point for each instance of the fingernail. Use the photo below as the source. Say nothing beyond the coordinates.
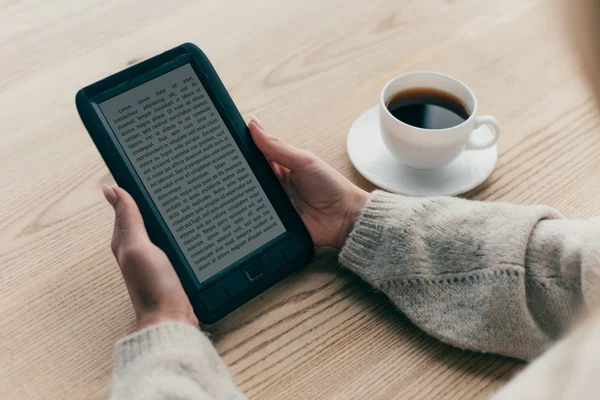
(256, 121)
(109, 194)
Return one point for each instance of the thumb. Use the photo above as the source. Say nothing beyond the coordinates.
(275, 149)
(129, 225)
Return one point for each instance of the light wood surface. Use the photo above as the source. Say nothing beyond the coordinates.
(307, 69)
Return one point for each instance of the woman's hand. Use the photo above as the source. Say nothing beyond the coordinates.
(153, 285)
(327, 202)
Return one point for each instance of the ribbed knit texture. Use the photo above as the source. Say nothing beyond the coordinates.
(170, 361)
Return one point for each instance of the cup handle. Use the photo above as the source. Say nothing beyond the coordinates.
(485, 120)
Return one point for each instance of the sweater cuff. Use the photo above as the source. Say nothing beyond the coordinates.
(159, 337)
(366, 238)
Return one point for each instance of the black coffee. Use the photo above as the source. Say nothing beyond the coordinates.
(428, 108)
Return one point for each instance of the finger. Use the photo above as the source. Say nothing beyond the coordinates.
(255, 119)
(277, 170)
(129, 225)
(277, 150)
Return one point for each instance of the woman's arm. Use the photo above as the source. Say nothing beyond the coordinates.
(167, 357)
(488, 277)
(482, 276)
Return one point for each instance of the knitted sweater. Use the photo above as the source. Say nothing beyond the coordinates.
(488, 277)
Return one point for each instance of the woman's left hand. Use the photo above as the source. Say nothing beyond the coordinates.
(153, 285)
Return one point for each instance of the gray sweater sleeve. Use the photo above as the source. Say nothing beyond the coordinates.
(488, 277)
(170, 361)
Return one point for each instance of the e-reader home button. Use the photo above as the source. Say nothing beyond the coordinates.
(214, 297)
(235, 284)
(273, 259)
(255, 272)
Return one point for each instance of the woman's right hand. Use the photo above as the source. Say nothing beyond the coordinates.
(327, 202)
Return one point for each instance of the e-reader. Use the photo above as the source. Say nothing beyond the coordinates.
(172, 137)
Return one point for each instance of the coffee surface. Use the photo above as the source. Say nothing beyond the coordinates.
(428, 108)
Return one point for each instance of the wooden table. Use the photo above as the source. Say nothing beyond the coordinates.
(307, 69)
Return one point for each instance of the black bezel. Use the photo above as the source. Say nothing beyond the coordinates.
(87, 100)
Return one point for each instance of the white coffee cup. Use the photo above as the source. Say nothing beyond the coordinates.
(432, 148)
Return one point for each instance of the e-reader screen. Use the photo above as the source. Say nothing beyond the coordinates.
(193, 170)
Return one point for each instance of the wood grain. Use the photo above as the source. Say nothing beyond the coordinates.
(307, 69)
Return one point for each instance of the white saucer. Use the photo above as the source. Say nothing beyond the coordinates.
(375, 162)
